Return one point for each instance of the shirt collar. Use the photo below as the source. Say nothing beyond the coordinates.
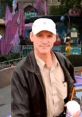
(55, 61)
(42, 64)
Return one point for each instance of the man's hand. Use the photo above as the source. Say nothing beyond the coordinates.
(73, 108)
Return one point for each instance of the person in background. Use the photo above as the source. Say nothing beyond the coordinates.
(68, 48)
(42, 83)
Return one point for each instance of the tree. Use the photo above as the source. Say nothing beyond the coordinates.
(70, 3)
(9, 2)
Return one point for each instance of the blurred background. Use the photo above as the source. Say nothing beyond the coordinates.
(16, 18)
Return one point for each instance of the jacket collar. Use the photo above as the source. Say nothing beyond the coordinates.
(63, 64)
(34, 68)
(31, 62)
(68, 77)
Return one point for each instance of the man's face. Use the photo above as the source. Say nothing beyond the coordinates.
(43, 41)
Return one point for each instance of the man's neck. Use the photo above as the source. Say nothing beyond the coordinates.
(47, 58)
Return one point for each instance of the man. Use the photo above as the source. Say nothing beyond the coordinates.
(42, 83)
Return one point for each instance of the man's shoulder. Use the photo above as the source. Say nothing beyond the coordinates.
(26, 61)
(61, 55)
(62, 58)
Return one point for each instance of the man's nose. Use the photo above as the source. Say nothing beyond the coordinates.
(44, 41)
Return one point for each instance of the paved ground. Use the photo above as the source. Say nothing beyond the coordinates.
(5, 93)
(5, 101)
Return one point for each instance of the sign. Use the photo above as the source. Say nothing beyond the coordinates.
(76, 51)
(74, 33)
(28, 15)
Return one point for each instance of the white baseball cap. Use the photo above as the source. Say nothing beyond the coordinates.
(43, 24)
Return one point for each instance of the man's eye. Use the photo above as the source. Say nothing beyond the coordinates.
(49, 36)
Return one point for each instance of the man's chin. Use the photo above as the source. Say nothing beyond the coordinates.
(44, 51)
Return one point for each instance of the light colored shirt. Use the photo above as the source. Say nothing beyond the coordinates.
(56, 89)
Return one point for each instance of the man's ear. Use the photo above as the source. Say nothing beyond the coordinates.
(31, 36)
(55, 38)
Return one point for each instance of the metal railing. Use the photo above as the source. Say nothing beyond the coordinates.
(9, 63)
(25, 49)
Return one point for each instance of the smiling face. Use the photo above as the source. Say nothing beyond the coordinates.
(43, 41)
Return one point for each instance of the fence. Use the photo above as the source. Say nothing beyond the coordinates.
(25, 49)
(9, 63)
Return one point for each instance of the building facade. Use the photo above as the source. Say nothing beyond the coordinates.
(49, 2)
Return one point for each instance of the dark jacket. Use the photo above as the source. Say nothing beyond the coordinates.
(27, 88)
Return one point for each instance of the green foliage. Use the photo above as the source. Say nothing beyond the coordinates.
(9, 57)
(3, 58)
(3, 4)
(9, 2)
(58, 10)
(70, 3)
